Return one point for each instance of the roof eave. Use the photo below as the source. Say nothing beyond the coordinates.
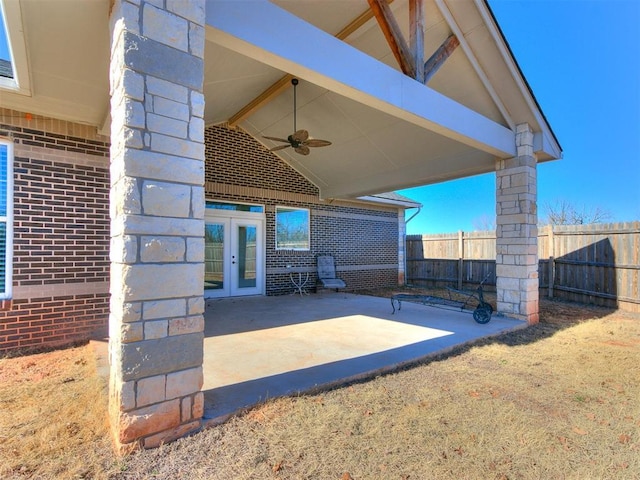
(388, 201)
(546, 144)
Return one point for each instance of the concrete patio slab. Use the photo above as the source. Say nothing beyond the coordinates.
(257, 348)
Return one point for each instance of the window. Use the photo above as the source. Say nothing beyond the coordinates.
(235, 207)
(292, 228)
(6, 70)
(6, 218)
(14, 72)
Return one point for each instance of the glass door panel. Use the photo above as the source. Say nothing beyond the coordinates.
(216, 252)
(233, 257)
(246, 257)
(246, 260)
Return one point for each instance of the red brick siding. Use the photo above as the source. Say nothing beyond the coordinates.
(61, 237)
(353, 242)
(236, 158)
(356, 236)
(61, 223)
(55, 141)
(53, 321)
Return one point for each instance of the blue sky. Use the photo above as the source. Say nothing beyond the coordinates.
(4, 51)
(582, 60)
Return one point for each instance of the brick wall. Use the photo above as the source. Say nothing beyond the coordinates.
(52, 321)
(235, 158)
(363, 238)
(61, 233)
(61, 226)
(61, 223)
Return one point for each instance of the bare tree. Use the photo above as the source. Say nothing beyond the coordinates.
(562, 212)
(484, 222)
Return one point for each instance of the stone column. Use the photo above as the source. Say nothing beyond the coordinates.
(157, 220)
(517, 231)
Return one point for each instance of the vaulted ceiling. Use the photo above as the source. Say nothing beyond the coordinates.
(388, 131)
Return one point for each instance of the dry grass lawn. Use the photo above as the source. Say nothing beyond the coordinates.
(557, 400)
(53, 420)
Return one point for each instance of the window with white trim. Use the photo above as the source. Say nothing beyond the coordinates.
(6, 68)
(6, 218)
(292, 228)
(13, 50)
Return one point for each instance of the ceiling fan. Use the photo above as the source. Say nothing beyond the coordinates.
(299, 139)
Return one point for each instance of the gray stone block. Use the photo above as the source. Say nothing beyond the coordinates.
(148, 56)
(161, 356)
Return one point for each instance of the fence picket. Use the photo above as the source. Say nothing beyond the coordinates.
(598, 263)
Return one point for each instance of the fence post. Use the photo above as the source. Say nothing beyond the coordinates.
(460, 257)
(552, 261)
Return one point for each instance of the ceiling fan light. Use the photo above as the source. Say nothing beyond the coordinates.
(299, 139)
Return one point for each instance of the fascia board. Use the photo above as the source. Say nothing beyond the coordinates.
(545, 147)
(550, 147)
(468, 51)
(388, 201)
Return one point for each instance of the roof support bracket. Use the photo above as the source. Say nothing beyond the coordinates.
(393, 34)
(416, 37)
(411, 59)
(439, 57)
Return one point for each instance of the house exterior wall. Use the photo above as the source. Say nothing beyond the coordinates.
(61, 233)
(362, 238)
(61, 226)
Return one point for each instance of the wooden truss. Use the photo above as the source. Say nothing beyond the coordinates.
(410, 57)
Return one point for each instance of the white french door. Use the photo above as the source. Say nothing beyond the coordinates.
(234, 256)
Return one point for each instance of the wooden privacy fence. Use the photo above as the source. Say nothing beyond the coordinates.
(598, 263)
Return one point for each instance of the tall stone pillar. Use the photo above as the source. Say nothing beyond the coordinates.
(517, 231)
(157, 220)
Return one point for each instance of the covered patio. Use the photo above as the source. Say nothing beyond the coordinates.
(294, 344)
(149, 78)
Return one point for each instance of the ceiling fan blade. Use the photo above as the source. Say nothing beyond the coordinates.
(316, 142)
(302, 150)
(300, 136)
(276, 139)
(281, 147)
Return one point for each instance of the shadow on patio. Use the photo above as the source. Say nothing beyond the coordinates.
(256, 348)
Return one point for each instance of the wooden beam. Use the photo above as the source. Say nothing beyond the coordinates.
(356, 23)
(440, 56)
(394, 36)
(281, 85)
(265, 97)
(416, 37)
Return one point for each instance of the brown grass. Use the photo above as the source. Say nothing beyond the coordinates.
(557, 400)
(52, 416)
